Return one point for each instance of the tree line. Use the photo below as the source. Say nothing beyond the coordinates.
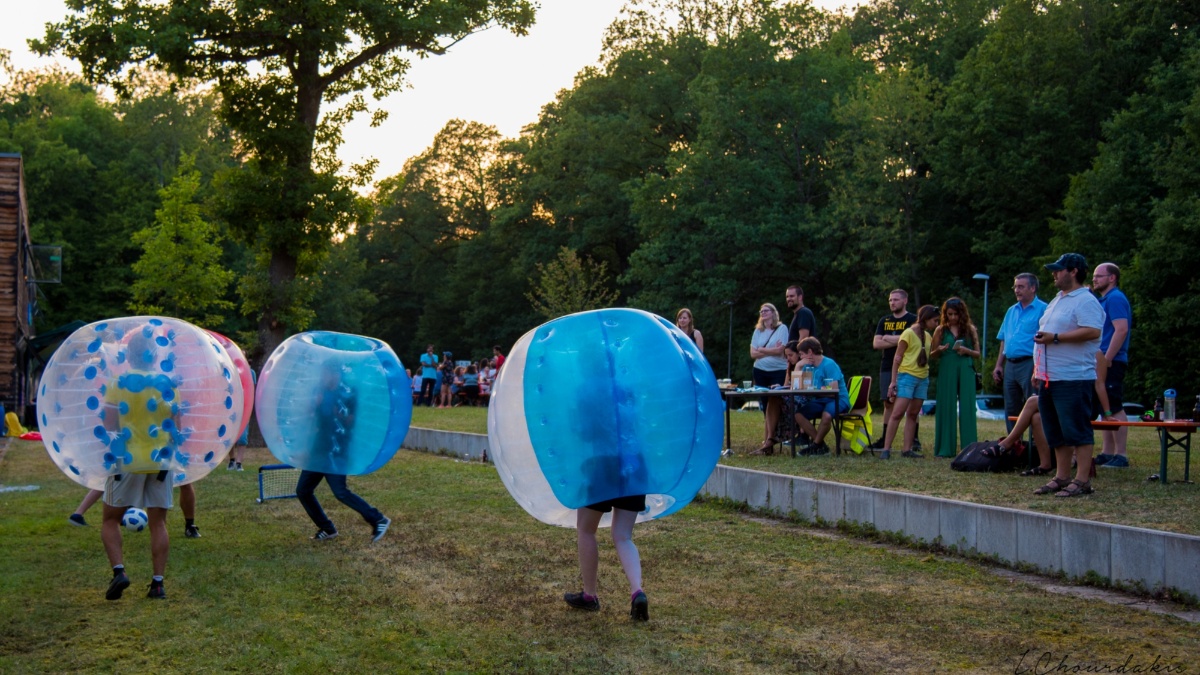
(718, 152)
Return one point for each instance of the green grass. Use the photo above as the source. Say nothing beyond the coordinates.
(468, 582)
(1123, 496)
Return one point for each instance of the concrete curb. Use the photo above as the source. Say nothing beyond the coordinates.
(1126, 555)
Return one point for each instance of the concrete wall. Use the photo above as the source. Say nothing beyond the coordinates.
(1127, 555)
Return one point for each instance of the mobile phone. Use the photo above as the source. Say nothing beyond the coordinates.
(958, 343)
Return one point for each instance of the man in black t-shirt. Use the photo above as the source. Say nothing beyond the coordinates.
(804, 322)
(887, 334)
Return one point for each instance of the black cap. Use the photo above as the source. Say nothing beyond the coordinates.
(1068, 261)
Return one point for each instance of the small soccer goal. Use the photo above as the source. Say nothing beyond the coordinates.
(277, 481)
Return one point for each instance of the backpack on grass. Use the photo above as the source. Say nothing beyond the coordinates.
(990, 456)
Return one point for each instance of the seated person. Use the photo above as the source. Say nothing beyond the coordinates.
(470, 385)
(825, 369)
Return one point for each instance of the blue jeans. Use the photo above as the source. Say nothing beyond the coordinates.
(309, 480)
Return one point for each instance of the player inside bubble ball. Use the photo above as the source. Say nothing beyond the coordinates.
(141, 427)
(334, 408)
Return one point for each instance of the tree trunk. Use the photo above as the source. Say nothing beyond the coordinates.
(271, 329)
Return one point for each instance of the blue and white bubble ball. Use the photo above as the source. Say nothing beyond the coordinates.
(604, 404)
(139, 395)
(334, 402)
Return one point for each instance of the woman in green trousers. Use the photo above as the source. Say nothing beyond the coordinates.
(957, 347)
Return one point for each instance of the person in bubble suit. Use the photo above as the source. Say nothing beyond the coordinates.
(334, 410)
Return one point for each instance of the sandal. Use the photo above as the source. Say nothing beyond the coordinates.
(1075, 489)
(1036, 471)
(1054, 486)
(767, 448)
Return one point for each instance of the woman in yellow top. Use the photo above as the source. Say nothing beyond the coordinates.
(910, 380)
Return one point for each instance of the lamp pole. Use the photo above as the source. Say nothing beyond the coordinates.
(985, 278)
(729, 359)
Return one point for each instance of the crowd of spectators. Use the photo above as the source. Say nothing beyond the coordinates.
(442, 382)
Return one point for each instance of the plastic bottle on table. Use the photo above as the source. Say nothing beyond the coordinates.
(1158, 409)
(1169, 405)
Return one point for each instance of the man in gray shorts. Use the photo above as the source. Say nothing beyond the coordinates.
(142, 427)
(887, 334)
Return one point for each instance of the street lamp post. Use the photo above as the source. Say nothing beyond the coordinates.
(985, 278)
(729, 359)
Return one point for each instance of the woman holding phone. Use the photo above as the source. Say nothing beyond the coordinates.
(956, 347)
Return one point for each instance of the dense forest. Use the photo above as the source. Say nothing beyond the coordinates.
(718, 152)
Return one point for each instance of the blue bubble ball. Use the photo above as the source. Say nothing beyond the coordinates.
(334, 403)
(604, 404)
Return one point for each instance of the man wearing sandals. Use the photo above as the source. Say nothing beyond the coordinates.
(1064, 373)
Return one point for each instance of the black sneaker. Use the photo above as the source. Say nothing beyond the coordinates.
(117, 586)
(324, 534)
(157, 591)
(640, 608)
(912, 454)
(877, 445)
(381, 528)
(1102, 459)
(886, 454)
(817, 449)
(579, 601)
(916, 445)
(191, 532)
(77, 520)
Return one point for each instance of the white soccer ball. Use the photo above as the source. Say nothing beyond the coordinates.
(135, 519)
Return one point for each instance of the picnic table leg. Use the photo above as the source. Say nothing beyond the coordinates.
(728, 442)
(1162, 468)
(1187, 457)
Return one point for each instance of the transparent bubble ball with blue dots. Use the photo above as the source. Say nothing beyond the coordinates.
(600, 405)
(333, 402)
(140, 394)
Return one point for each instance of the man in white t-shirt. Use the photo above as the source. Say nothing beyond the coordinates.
(1064, 372)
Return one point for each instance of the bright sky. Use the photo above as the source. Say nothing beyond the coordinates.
(494, 77)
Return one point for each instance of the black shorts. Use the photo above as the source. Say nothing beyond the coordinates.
(1114, 385)
(636, 503)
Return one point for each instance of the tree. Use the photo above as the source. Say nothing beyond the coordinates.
(276, 63)
(571, 284)
(179, 273)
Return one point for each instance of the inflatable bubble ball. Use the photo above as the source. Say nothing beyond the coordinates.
(600, 405)
(139, 395)
(334, 403)
(245, 376)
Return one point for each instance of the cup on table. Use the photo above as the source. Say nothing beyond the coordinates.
(746, 384)
(831, 384)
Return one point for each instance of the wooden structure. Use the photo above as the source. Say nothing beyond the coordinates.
(16, 321)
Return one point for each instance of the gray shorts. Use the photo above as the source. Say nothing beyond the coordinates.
(143, 490)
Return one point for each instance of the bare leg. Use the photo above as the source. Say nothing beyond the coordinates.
(910, 427)
(826, 423)
(160, 541)
(899, 408)
(771, 420)
(1030, 418)
(110, 534)
(187, 501)
(1083, 462)
(586, 522)
(622, 536)
(89, 499)
(1115, 441)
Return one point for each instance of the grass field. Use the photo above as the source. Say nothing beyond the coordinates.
(465, 581)
(1123, 496)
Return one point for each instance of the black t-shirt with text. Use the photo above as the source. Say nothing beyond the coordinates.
(890, 325)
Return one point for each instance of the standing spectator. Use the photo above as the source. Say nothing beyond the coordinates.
(1114, 350)
(445, 396)
(429, 373)
(683, 320)
(956, 344)
(887, 334)
(1014, 365)
(770, 368)
(416, 385)
(497, 357)
(910, 380)
(1064, 367)
(804, 322)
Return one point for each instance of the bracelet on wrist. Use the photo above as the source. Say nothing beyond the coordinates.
(1108, 413)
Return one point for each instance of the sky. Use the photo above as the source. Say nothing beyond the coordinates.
(492, 77)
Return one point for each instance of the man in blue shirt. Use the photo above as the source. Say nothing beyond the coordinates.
(825, 370)
(429, 376)
(1014, 365)
(1114, 351)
